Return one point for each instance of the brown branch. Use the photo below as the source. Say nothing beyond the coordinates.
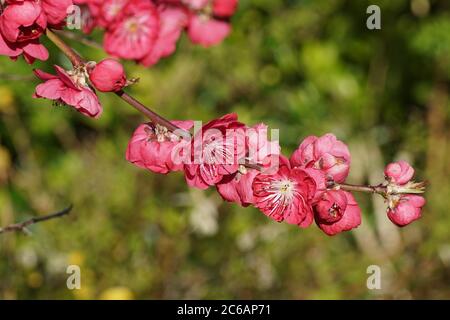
(77, 60)
(22, 227)
(380, 189)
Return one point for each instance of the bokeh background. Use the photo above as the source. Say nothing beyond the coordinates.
(303, 66)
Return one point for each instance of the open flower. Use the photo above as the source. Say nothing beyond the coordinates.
(324, 153)
(21, 25)
(208, 23)
(285, 195)
(69, 88)
(56, 11)
(259, 151)
(23, 21)
(337, 211)
(173, 19)
(216, 152)
(152, 146)
(406, 209)
(134, 34)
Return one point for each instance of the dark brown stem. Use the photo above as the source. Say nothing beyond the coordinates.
(22, 227)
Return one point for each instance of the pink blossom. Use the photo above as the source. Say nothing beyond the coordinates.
(108, 76)
(259, 152)
(406, 209)
(207, 31)
(110, 11)
(56, 11)
(134, 34)
(399, 172)
(337, 211)
(68, 88)
(216, 152)
(151, 147)
(23, 21)
(21, 25)
(224, 8)
(285, 195)
(239, 189)
(325, 153)
(173, 20)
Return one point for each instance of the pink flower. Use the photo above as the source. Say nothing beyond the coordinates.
(21, 25)
(30, 50)
(56, 10)
(173, 20)
(23, 21)
(399, 172)
(68, 87)
(239, 189)
(285, 195)
(337, 211)
(207, 31)
(152, 147)
(134, 34)
(224, 8)
(108, 76)
(216, 152)
(110, 11)
(406, 209)
(259, 152)
(325, 153)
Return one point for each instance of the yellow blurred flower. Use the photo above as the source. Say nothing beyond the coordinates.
(7, 100)
(117, 293)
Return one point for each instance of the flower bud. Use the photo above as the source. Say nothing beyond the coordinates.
(108, 75)
(331, 206)
(399, 172)
(407, 209)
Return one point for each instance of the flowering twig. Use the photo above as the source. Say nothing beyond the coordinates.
(77, 60)
(23, 226)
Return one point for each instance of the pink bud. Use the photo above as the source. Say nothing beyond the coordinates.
(350, 216)
(108, 75)
(331, 206)
(399, 172)
(407, 210)
(324, 153)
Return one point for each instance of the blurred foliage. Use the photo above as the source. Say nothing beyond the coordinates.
(304, 66)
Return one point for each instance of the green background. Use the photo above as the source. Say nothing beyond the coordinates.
(304, 67)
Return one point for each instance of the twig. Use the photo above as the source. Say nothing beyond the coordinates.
(77, 60)
(22, 227)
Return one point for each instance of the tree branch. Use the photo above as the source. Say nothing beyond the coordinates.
(22, 227)
(77, 60)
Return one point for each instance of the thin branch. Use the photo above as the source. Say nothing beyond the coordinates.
(77, 60)
(22, 227)
(380, 189)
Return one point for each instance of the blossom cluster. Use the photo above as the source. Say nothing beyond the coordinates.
(236, 159)
(23, 22)
(146, 31)
(140, 30)
(248, 169)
